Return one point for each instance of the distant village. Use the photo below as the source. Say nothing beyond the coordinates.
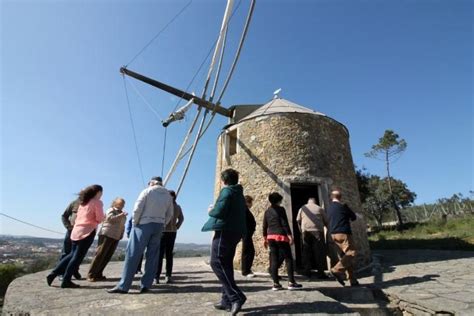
(29, 250)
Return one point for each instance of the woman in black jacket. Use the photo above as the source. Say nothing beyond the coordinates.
(277, 235)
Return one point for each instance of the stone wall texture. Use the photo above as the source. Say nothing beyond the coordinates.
(277, 150)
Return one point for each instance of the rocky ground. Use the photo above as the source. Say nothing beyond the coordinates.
(421, 282)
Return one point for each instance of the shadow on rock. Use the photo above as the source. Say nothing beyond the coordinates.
(299, 308)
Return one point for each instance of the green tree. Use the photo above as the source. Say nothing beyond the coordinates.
(389, 148)
(377, 199)
(8, 272)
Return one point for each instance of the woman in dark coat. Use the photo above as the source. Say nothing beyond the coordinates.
(277, 236)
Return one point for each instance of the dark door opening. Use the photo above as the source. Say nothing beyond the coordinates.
(300, 193)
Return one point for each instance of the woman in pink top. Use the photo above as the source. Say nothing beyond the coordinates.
(89, 215)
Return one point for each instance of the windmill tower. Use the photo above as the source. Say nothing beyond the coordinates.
(284, 147)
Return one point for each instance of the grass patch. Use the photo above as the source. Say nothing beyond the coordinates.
(453, 234)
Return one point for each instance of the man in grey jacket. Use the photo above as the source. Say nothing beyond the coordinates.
(311, 220)
(68, 218)
(153, 209)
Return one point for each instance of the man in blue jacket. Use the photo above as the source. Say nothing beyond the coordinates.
(340, 216)
(227, 220)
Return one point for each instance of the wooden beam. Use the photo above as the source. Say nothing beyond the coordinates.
(177, 92)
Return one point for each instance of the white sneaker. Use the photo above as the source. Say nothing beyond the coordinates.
(250, 275)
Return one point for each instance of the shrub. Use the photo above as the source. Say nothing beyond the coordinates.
(8, 272)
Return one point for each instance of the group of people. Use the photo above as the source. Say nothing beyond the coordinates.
(153, 226)
(157, 217)
(231, 221)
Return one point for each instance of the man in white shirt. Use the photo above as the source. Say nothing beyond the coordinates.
(153, 210)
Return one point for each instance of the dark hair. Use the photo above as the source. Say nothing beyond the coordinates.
(275, 198)
(248, 199)
(230, 176)
(173, 194)
(88, 193)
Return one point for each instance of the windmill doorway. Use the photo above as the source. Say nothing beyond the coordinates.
(300, 193)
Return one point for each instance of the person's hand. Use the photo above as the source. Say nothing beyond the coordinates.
(125, 214)
(265, 243)
(290, 238)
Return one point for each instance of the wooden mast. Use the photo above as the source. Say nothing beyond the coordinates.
(177, 92)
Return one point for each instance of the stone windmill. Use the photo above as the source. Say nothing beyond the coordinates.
(279, 146)
(284, 147)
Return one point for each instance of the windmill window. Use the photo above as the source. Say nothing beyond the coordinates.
(232, 142)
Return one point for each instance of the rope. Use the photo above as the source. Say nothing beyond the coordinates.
(218, 50)
(218, 71)
(180, 154)
(26, 223)
(164, 152)
(234, 63)
(196, 73)
(193, 150)
(134, 133)
(185, 141)
(145, 100)
(205, 59)
(237, 55)
(159, 33)
(222, 32)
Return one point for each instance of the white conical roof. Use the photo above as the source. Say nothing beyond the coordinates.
(279, 106)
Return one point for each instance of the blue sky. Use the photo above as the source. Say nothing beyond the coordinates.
(372, 65)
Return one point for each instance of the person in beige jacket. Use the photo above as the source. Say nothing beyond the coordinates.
(311, 220)
(110, 234)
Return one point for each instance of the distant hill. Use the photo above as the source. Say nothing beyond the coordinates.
(122, 243)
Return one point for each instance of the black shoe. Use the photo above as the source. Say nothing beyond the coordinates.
(116, 290)
(144, 290)
(339, 278)
(50, 278)
(236, 307)
(294, 286)
(77, 276)
(277, 287)
(70, 285)
(355, 283)
(222, 307)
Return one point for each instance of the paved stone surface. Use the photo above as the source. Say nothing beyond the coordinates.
(428, 280)
(195, 291)
(421, 282)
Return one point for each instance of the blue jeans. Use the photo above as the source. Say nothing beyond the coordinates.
(70, 264)
(142, 236)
